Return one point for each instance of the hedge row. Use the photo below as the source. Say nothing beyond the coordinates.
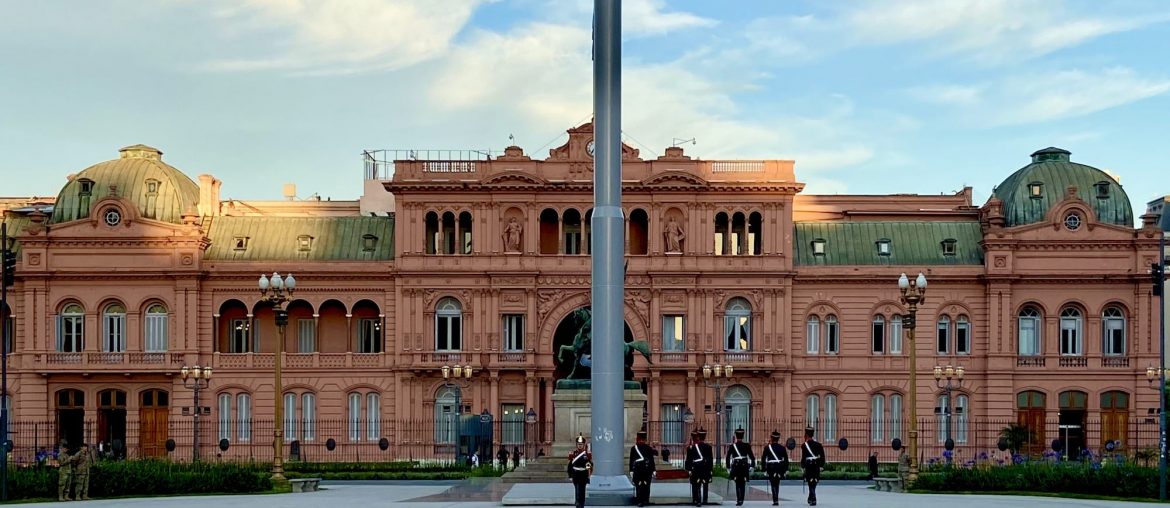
(1121, 480)
(146, 478)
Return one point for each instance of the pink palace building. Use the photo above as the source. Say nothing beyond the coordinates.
(136, 269)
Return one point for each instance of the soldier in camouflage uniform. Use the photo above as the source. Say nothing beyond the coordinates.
(64, 473)
(83, 459)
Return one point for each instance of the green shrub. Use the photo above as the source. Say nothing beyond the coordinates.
(146, 478)
(1122, 480)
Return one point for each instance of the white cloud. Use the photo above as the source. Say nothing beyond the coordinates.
(317, 37)
(1041, 97)
(648, 17)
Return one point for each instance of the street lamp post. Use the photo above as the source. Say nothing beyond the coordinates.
(196, 378)
(277, 292)
(913, 294)
(717, 374)
(949, 373)
(1159, 374)
(451, 376)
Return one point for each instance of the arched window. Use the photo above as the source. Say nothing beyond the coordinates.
(832, 335)
(942, 418)
(737, 325)
(896, 334)
(448, 230)
(722, 234)
(812, 411)
(1113, 331)
(448, 325)
(549, 227)
(309, 415)
(1029, 332)
(446, 414)
(571, 231)
(738, 234)
(755, 234)
(155, 325)
(1071, 336)
(71, 329)
(739, 410)
(224, 407)
(944, 338)
(244, 417)
(290, 417)
(812, 332)
(432, 240)
(822, 419)
(114, 328)
(465, 225)
(639, 232)
(895, 416)
(830, 417)
(877, 416)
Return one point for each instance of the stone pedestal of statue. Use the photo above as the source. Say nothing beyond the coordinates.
(573, 412)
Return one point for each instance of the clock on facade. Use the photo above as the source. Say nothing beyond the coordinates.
(113, 217)
(589, 148)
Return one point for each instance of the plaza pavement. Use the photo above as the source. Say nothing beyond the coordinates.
(487, 494)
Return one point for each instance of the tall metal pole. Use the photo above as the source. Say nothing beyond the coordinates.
(913, 475)
(278, 390)
(608, 376)
(4, 372)
(195, 450)
(949, 416)
(718, 422)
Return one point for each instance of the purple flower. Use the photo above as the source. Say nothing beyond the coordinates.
(948, 454)
(982, 455)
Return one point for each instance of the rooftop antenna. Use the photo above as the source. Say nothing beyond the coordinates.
(511, 140)
(678, 141)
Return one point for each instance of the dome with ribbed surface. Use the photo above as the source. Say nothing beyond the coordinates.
(160, 191)
(1028, 194)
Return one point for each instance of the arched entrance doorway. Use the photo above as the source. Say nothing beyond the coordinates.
(1073, 407)
(112, 417)
(566, 333)
(153, 413)
(71, 416)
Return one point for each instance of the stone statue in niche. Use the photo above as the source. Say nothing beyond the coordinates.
(512, 234)
(674, 235)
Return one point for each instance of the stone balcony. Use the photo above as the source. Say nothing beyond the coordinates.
(93, 361)
(295, 361)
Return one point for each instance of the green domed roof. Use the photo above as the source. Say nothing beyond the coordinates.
(161, 192)
(1029, 193)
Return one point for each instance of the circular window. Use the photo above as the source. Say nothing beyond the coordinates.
(1072, 221)
(113, 217)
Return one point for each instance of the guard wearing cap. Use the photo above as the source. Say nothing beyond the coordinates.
(700, 465)
(812, 460)
(775, 458)
(739, 463)
(579, 468)
(642, 469)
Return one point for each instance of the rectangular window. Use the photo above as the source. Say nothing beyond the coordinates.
(879, 335)
(1114, 337)
(290, 417)
(9, 333)
(156, 333)
(244, 417)
(513, 332)
(309, 416)
(115, 339)
(832, 336)
(373, 416)
(813, 336)
(448, 333)
(961, 406)
(239, 337)
(673, 333)
(1029, 333)
(942, 413)
(944, 336)
(877, 415)
(369, 335)
(737, 329)
(812, 412)
(896, 335)
(830, 418)
(1070, 336)
(963, 337)
(306, 335)
(69, 333)
(355, 417)
(718, 244)
(225, 416)
(895, 416)
(672, 423)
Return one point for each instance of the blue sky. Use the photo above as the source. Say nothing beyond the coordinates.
(868, 97)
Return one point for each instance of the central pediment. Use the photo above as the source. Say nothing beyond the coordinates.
(580, 146)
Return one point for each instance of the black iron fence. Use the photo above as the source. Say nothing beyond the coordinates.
(449, 440)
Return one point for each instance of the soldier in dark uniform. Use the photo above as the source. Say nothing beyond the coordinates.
(775, 458)
(579, 468)
(812, 459)
(739, 462)
(642, 469)
(700, 463)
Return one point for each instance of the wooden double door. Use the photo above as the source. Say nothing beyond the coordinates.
(154, 420)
